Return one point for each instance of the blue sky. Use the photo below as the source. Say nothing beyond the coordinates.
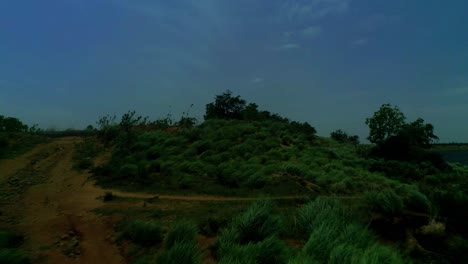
(64, 63)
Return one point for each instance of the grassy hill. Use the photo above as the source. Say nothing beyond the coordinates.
(405, 203)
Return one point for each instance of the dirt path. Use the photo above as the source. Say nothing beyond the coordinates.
(196, 198)
(56, 215)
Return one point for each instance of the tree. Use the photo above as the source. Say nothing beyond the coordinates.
(385, 123)
(398, 140)
(419, 134)
(11, 124)
(225, 106)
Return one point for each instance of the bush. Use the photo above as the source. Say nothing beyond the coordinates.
(144, 233)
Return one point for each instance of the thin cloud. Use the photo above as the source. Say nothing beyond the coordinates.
(360, 42)
(375, 21)
(312, 31)
(289, 46)
(316, 9)
(257, 80)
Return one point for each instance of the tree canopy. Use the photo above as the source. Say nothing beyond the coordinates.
(226, 106)
(12, 124)
(398, 140)
(385, 123)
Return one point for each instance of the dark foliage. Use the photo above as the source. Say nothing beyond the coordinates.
(12, 124)
(341, 136)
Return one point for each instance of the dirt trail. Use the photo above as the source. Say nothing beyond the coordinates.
(56, 215)
(197, 197)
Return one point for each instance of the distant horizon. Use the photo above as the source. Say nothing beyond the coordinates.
(330, 63)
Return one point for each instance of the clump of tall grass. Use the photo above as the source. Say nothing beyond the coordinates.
(144, 233)
(318, 211)
(386, 202)
(334, 237)
(181, 245)
(180, 232)
(417, 201)
(252, 237)
(257, 223)
(181, 253)
(269, 251)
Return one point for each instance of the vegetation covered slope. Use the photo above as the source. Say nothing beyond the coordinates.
(407, 193)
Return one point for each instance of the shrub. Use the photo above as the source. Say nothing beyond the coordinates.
(181, 232)
(144, 233)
